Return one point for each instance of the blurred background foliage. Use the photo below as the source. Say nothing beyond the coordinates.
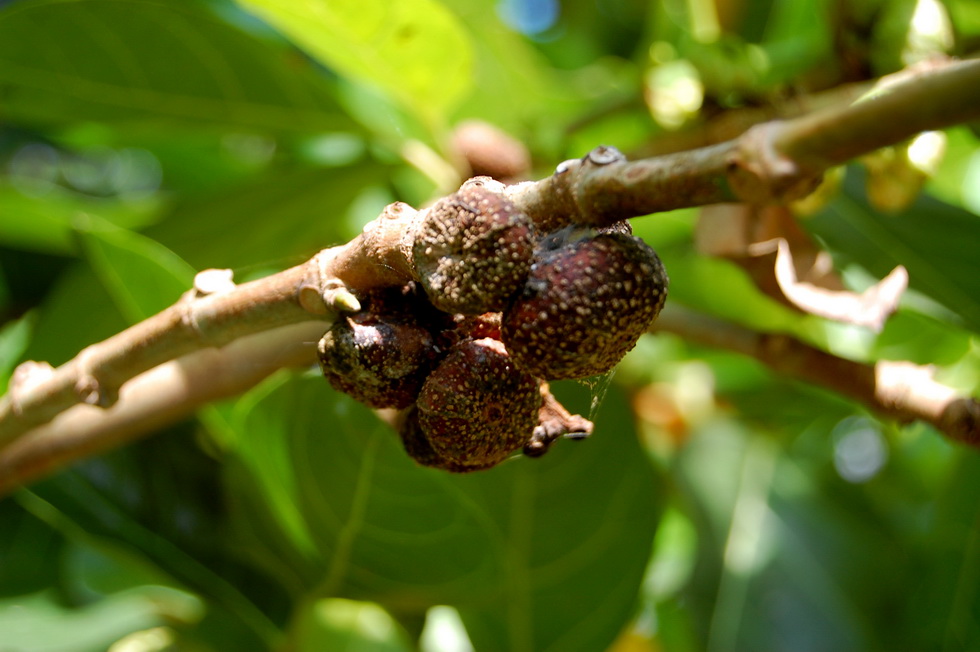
(718, 507)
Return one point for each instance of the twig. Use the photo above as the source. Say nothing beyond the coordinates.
(771, 162)
(895, 390)
(172, 391)
(209, 317)
(157, 398)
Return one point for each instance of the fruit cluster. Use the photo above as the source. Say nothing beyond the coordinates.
(498, 310)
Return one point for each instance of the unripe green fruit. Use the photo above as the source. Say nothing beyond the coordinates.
(584, 306)
(473, 250)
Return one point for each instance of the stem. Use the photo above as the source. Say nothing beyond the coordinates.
(772, 162)
(157, 398)
(896, 390)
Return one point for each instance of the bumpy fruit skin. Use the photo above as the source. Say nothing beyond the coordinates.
(380, 355)
(477, 407)
(417, 446)
(584, 306)
(473, 250)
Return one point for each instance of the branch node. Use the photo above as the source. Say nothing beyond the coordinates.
(91, 392)
(604, 155)
(27, 375)
(213, 281)
(312, 301)
(759, 173)
(567, 166)
(339, 298)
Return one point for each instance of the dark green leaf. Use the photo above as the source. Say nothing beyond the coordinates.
(108, 60)
(276, 220)
(536, 554)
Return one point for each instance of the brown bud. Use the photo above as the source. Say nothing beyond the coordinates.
(491, 152)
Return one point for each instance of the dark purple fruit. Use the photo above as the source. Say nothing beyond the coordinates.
(380, 355)
(477, 407)
(584, 306)
(417, 446)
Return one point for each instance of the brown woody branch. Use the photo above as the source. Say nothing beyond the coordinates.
(895, 390)
(170, 392)
(771, 162)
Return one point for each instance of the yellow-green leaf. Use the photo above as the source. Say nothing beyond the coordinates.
(416, 51)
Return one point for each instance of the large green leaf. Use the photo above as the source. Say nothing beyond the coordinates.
(141, 275)
(536, 554)
(414, 50)
(115, 60)
(276, 220)
(155, 504)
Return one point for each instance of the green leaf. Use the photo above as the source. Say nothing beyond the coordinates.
(721, 288)
(335, 624)
(910, 336)
(278, 219)
(14, 338)
(414, 50)
(44, 222)
(541, 554)
(141, 275)
(933, 240)
(109, 60)
(152, 501)
(41, 624)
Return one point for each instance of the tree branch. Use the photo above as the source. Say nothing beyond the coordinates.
(894, 390)
(172, 391)
(771, 162)
(157, 398)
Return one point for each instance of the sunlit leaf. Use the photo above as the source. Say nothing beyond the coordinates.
(39, 622)
(415, 50)
(335, 624)
(277, 220)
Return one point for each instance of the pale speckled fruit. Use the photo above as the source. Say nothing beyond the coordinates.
(584, 306)
(473, 250)
(477, 407)
(380, 355)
